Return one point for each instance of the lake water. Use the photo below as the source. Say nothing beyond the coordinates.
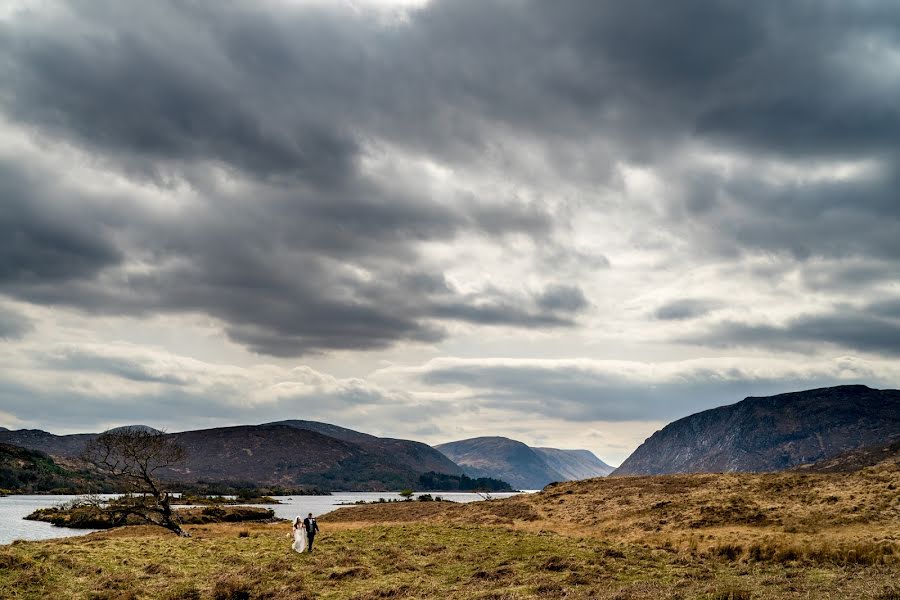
(14, 527)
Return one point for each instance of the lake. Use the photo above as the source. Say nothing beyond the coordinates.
(14, 508)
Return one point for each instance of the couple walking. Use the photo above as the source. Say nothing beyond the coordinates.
(304, 533)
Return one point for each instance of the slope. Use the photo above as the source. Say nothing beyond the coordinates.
(770, 433)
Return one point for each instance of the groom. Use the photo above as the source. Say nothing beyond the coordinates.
(312, 528)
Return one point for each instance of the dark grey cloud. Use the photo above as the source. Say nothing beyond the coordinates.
(283, 273)
(581, 393)
(874, 329)
(685, 308)
(295, 89)
(564, 298)
(13, 325)
(121, 367)
(315, 253)
(886, 308)
(43, 237)
(849, 278)
(801, 220)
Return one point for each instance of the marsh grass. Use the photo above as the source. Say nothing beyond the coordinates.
(676, 538)
(406, 561)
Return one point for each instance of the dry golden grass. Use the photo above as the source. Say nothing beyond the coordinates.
(712, 537)
(849, 517)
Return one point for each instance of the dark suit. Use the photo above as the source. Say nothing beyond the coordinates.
(312, 528)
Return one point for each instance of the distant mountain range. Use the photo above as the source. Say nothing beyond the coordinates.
(574, 464)
(831, 428)
(522, 466)
(295, 454)
(771, 433)
(289, 454)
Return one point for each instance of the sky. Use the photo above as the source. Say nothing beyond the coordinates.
(568, 223)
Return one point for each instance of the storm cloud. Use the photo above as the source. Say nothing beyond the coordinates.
(498, 180)
(621, 391)
(874, 329)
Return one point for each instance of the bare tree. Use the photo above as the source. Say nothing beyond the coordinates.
(134, 456)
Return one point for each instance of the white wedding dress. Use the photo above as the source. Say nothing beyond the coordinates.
(300, 541)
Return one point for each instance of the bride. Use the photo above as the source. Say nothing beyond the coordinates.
(300, 541)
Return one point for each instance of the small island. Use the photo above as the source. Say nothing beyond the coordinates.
(92, 513)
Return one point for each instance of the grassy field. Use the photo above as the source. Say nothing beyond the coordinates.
(719, 537)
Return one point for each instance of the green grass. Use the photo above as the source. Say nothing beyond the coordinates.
(404, 561)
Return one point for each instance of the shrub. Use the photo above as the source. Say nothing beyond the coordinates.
(787, 554)
(231, 588)
(728, 551)
(185, 592)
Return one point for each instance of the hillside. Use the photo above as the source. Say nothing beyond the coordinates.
(32, 472)
(770, 433)
(416, 456)
(285, 455)
(58, 446)
(809, 512)
(277, 454)
(501, 458)
(855, 460)
(524, 467)
(574, 464)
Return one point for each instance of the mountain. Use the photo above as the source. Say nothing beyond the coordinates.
(501, 458)
(574, 464)
(416, 456)
(771, 433)
(283, 455)
(126, 428)
(288, 454)
(60, 446)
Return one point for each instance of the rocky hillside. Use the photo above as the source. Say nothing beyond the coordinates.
(522, 466)
(771, 433)
(574, 464)
(276, 454)
(883, 454)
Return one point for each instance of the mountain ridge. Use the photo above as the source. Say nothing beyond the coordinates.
(274, 454)
(574, 464)
(523, 466)
(770, 433)
(413, 454)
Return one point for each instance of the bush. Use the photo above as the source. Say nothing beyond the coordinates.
(728, 551)
(232, 588)
(185, 592)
